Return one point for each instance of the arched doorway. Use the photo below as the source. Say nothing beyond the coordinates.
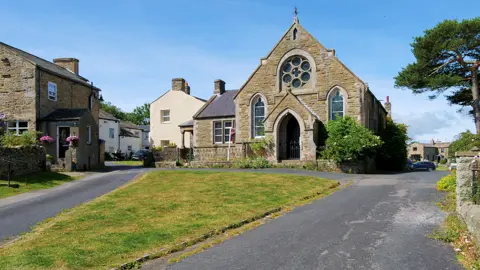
(289, 138)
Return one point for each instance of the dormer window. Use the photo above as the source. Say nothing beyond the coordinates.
(296, 72)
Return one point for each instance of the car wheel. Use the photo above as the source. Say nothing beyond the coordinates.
(430, 169)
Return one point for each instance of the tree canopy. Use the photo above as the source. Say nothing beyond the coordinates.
(392, 155)
(447, 58)
(464, 141)
(139, 116)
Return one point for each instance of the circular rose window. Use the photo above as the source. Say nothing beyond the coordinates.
(296, 71)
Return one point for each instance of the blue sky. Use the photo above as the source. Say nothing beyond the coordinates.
(132, 49)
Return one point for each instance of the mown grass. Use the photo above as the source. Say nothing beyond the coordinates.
(454, 230)
(442, 167)
(128, 162)
(31, 182)
(158, 210)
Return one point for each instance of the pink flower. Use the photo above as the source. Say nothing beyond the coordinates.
(46, 139)
(72, 139)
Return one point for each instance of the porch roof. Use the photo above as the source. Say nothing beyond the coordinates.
(189, 123)
(65, 114)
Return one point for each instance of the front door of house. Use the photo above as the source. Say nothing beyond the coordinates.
(63, 134)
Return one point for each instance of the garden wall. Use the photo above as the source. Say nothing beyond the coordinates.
(23, 160)
(469, 211)
(167, 154)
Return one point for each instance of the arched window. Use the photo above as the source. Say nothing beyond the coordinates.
(258, 115)
(336, 105)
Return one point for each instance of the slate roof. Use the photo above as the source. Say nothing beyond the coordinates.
(219, 106)
(49, 66)
(65, 114)
(189, 123)
(105, 115)
(128, 124)
(145, 128)
(127, 133)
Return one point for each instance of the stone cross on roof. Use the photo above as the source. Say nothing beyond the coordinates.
(295, 15)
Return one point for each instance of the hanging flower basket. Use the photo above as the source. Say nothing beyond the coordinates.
(73, 140)
(46, 139)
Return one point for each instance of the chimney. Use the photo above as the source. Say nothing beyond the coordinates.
(219, 87)
(187, 88)
(68, 63)
(178, 84)
(388, 107)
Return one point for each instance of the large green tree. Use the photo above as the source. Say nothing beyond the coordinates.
(140, 115)
(447, 59)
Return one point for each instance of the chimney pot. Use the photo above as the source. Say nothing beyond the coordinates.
(219, 88)
(178, 84)
(187, 88)
(68, 63)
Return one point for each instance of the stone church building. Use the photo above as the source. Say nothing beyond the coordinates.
(295, 90)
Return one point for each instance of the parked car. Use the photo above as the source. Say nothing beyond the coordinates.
(424, 165)
(409, 164)
(140, 155)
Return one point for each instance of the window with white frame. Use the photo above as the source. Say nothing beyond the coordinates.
(17, 127)
(336, 105)
(129, 148)
(222, 131)
(217, 131)
(89, 134)
(165, 116)
(227, 131)
(258, 117)
(111, 133)
(52, 91)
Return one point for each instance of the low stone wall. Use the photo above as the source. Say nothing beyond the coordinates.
(23, 160)
(218, 153)
(167, 154)
(465, 206)
(327, 165)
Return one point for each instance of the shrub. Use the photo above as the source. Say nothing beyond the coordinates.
(347, 140)
(443, 161)
(158, 148)
(448, 183)
(392, 155)
(108, 156)
(252, 163)
(262, 147)
(172, 145)
(149, 160)
(464, 142)
(49, 157)
(27, 138)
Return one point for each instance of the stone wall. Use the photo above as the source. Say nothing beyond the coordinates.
(468, 211)
(17, 88)
(70, 95)
(218, 153)
(23, 160)
(167, 154)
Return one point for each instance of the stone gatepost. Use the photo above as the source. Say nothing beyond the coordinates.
(466, 164)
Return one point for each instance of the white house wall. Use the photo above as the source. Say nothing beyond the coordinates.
(104, 130)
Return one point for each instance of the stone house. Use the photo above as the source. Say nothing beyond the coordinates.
(435, 150)
(172, 109)
(52, 98)
(294, 91)
(109, 127)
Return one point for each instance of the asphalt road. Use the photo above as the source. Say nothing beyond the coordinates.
(379, 222)
(19, 213)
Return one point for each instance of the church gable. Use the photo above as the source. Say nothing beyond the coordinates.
(302, 65)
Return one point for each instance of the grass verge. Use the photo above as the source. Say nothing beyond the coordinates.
(454, 230)
(163, 210)
(31, 182)
(128, 162)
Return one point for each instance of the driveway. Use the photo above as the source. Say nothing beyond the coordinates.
(379, 222)
(19, 213)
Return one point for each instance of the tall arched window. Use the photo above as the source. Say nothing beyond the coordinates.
(336, 105)
(258, 115)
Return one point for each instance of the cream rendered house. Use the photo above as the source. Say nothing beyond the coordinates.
(169, 111)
